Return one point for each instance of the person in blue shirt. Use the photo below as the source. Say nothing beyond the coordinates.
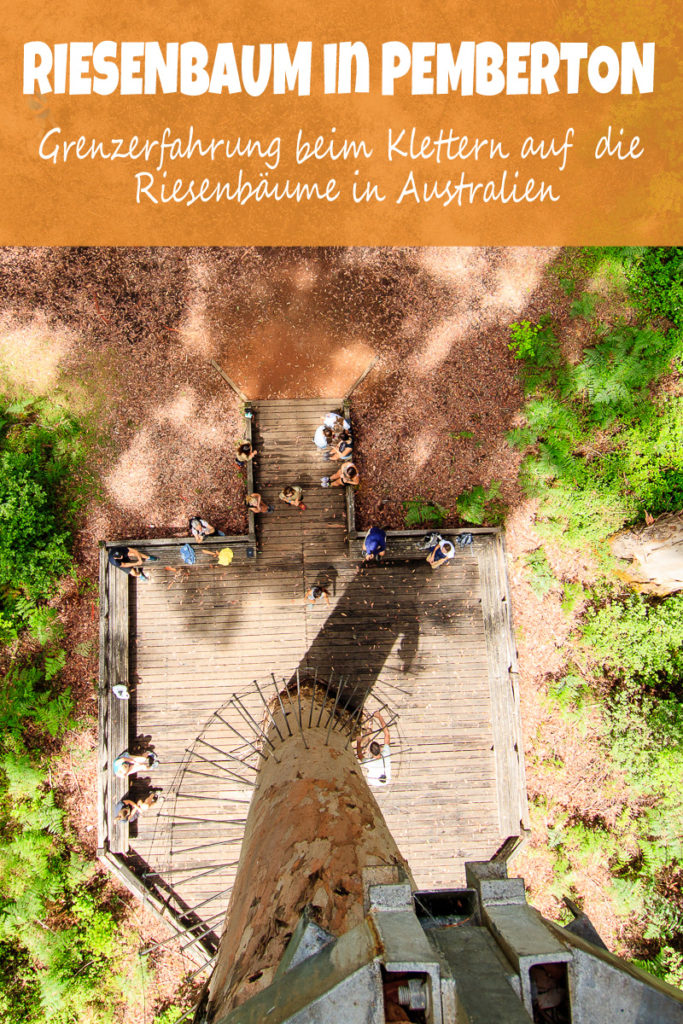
(375, 544)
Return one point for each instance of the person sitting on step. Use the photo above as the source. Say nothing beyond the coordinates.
(375, 544)
(245, 453)
(346, 474)
(129, 809)
(441, 553)
(343, 449)
(199, 528)
(336, 422)
(128, 764)
(130, 561)
(323, 437)
(256, 503)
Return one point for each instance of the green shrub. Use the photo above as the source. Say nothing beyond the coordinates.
(655, 280)
(601, 449)
(44, 625)
(26, 697)
(637, 639)
(524, 342)
(40, 451)
(571, 595)
(667, 965)
(653, 276)
(33, 548)
(569, 691)
(600, 452)
(49, 971)
(169, 1016)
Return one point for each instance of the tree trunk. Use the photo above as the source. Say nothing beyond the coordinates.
(313, 827)
(655, 553)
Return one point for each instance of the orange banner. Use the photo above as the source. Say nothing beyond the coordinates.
(429, 123)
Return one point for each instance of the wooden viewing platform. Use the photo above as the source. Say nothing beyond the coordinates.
(435, 647)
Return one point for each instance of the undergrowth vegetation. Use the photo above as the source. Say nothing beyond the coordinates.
(602, 439)
(60, 944)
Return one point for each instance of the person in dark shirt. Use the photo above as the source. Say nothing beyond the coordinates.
(441, 553)
(375, 544)
(342, 451)
(130, 561)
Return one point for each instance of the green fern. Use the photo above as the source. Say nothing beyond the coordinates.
(541, 577)
(479, 503)
(422, 512)
(44, 625)
(584, 306)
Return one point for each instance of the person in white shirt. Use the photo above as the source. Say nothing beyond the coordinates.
(335, 422)
(374, 757)
(330, 430)
(323, 437)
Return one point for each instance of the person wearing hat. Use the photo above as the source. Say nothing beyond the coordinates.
(440, 553)
(375, 544)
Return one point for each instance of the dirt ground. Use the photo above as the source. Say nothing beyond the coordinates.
(126, 336)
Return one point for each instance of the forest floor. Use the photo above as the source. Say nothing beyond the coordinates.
(125, 337)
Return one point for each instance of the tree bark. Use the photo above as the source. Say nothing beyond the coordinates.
(313, 827)
(655, 554)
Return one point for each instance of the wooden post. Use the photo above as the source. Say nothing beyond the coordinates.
(313, 828)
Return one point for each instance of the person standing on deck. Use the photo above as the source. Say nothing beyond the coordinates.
(375, 544)
(293, 495)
